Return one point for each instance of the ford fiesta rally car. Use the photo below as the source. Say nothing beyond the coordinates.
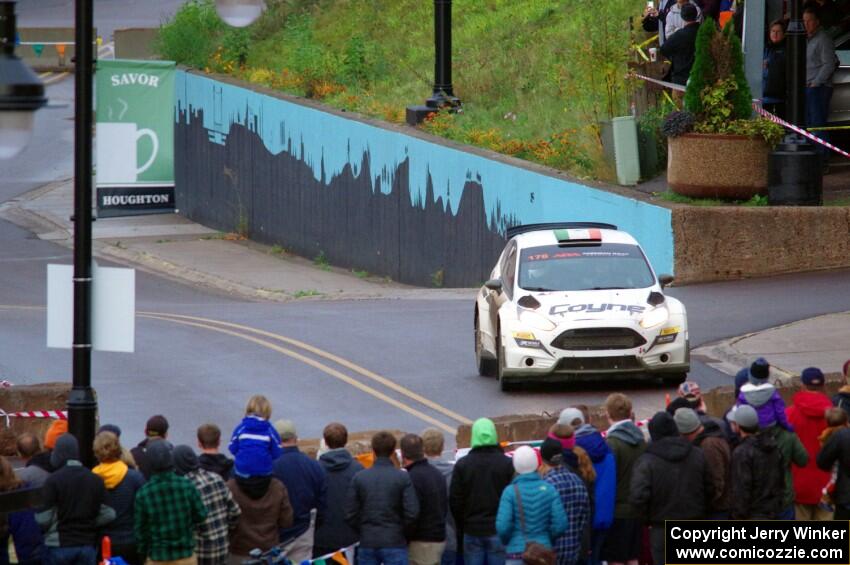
(577, 300)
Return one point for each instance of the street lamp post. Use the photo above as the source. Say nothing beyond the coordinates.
(443, 93)
(21, 92)
(82, 405)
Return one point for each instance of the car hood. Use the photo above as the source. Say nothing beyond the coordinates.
(575, 306)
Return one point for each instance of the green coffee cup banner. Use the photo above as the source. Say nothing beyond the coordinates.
(135, 122)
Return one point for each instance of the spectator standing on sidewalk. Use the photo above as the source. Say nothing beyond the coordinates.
(20, 525)
(307, 486)
(836, 451)
(757, 478)
(676, 21)
(806, 414)
(266, 510)
(680, 48)
(122, 484)
(605, 485)
(718, 458)
(655, 495)
(623, 544)
(427, 535)
(530, 509)
(574, 498)
(73, 507)
(842, 398)
(763, 396)
(255, 443)
(156, 429)
(28, 446)
(381, 503)
(211, 459)
(793, 453)
(821, 64)
(433, 443)
(212, 543)
(340, 467)
(476, 489)
(168, 511)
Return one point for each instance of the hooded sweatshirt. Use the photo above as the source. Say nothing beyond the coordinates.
(478, 481)
(605, 487)
(254, 445)
(757, 479)
(671, 482)
(768, 404)
(806, 415)
(122, 484)
(217, 463)
(627, 444)
(340, 467)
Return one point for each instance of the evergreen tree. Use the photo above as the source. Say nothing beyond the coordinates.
(702, 73)
(743, 98)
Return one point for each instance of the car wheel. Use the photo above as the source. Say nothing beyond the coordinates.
(504, 384)
(486, 367)
(674, 379)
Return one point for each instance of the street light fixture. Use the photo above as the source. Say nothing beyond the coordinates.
(21, 92)
(239, 13)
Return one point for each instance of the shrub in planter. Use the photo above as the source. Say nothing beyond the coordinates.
(716, 149)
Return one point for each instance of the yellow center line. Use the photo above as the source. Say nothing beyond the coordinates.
(44, 75)
(55, 79)
(331, 357)
(308, 361)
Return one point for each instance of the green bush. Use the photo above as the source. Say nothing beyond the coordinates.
(192, 36)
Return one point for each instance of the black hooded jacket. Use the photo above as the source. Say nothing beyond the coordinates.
(670, 482)
(837, 449)
(217, 463)
(758, 479)
(340, 467)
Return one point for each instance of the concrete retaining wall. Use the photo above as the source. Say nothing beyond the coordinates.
(135, 43)
(368, 195)
(723, 243)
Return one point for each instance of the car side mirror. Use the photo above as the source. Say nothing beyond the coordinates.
(494, 284)
(665, 280)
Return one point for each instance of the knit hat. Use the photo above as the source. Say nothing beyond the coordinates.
(185, 460)
(569, 415)
(689, 389)
(552, 452)
(689, 13)
(687, 420)
(110, 428)
(812, 376)
(157, 426)
(66, 448)
(759, 371)
(525, 460)
(56, 429)
(746, 417)
(286, 430)
(160, 457)
(662, 425)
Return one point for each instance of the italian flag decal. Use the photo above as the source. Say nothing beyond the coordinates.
(578, 235)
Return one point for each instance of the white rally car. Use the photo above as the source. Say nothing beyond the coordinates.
(577, 300)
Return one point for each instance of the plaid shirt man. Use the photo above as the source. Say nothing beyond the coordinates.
(573, 493)
(168, 511)
(212, 545)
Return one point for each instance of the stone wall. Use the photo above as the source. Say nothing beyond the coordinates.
(726, 242)
(45, 396)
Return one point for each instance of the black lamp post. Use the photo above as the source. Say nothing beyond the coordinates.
(21, 92)
(795, 173)
(443, 92)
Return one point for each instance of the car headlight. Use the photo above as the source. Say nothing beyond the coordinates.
(654, 317)
(535, 320)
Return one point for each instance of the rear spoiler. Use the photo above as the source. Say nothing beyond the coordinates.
(516, 230)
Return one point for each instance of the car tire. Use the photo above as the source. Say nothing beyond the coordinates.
(504, 384)
(486, 367)
(674, 379)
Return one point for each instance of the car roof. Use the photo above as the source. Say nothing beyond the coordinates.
(548, 237)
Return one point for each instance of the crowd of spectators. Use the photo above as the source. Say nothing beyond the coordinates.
(580, 496)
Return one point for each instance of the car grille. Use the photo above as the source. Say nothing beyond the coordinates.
(575, 364)
(590, 339)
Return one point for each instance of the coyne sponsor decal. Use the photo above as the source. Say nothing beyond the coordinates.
(564, 309)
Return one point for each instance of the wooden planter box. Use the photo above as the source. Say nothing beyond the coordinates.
(730, 167)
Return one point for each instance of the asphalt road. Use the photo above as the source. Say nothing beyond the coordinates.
(371, 364)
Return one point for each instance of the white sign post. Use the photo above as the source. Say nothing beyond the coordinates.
(113, 308)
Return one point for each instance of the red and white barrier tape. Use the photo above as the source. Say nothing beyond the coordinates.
(54, 414)
(763, 113)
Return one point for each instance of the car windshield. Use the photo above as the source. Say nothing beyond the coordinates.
(586, 267)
